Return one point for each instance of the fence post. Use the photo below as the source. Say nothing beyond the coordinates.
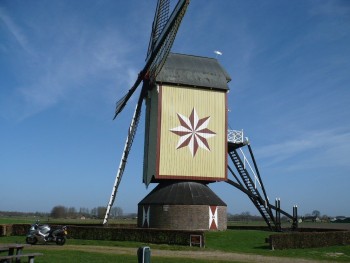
(144, 255)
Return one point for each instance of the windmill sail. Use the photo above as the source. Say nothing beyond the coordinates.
(122, 102)
(160, 19)
(129, 140)
(159, 48)
(166, 39)
(159, 51)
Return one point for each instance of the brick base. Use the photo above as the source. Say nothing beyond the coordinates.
(182, 217)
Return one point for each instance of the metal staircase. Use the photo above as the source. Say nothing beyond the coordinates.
(251, 186)
(249, 181)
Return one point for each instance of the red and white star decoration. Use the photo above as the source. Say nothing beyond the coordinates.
(193, 132)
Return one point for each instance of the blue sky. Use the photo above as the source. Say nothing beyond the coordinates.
(63, 65)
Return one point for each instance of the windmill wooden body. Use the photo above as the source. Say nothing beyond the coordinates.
(185, 144)
(186, 121)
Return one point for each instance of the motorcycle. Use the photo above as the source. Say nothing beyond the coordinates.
(45, 234)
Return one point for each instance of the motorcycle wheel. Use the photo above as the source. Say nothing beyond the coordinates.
(31, 240)
(60, 241)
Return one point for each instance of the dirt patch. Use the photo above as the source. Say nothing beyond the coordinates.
(335, 254)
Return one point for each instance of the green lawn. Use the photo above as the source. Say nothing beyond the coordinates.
(253, 242)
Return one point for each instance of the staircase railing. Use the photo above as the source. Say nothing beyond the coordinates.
(253, 186)
(245, 161)
(260, 203)
(235, 136)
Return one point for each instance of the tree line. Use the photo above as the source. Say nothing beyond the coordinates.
(246, 216)
(99, 212)
(60, 211)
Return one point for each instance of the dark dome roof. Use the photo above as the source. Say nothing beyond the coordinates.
(182, 193)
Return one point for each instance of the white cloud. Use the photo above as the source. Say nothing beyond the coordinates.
(15, 30)
(79, 59)
(317, 149)
(331, 8)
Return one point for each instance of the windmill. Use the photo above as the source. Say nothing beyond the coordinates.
(164, 29)
(187, 141)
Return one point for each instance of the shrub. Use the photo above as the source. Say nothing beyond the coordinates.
(309, 239)
(156, 236)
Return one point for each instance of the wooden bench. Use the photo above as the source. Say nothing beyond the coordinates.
(11, 258)
(12, 248)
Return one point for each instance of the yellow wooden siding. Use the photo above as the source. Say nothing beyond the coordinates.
(205, 164)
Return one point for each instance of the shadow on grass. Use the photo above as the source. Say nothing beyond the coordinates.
(263, 247)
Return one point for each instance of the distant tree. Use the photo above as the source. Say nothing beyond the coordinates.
(316, 213)
(84, 211)
(325, 218)
(101, 211)
(245, 216)
(58, 211)
(71, 212)
(116, 212)
(94, 212)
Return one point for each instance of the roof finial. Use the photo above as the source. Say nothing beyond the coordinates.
(217, 53)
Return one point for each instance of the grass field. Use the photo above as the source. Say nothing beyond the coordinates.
(247, 242)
